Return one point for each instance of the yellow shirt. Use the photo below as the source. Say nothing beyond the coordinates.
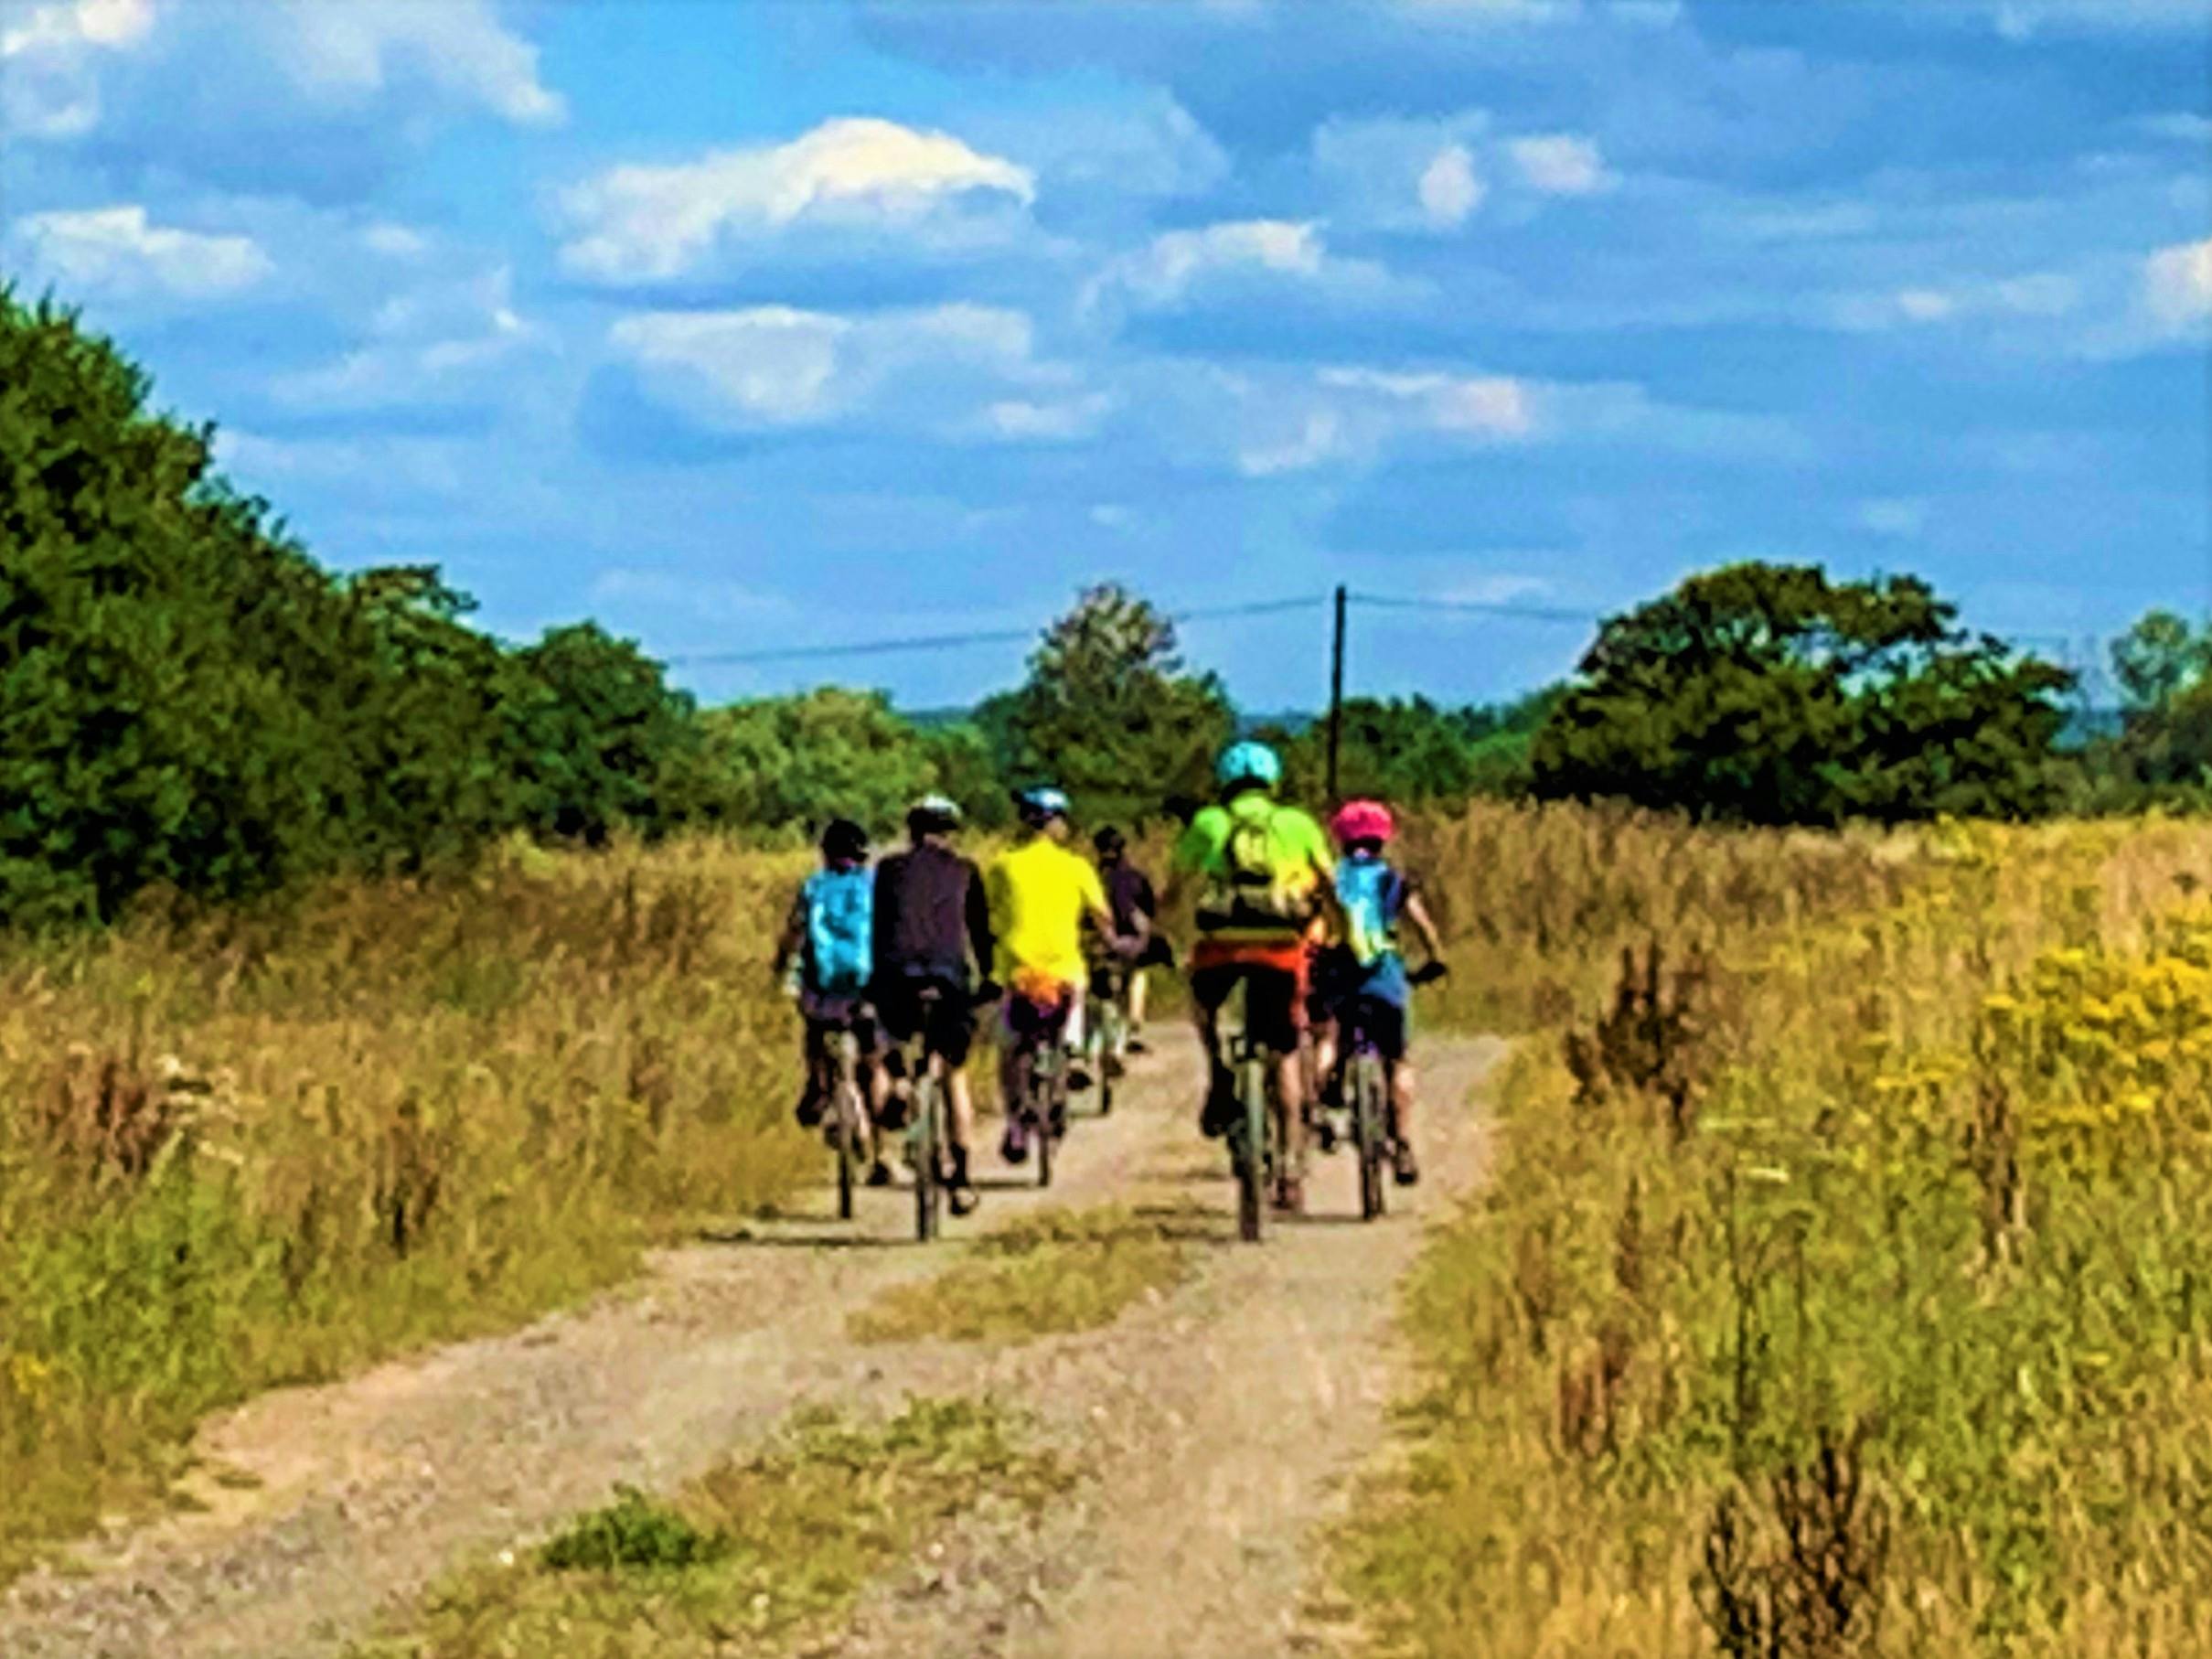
(1039, 894)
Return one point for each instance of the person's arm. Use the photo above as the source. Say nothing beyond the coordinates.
(1321, 857)
(1094, 902)
(1416, 912)
(794, 932)
(1188, 859)
(979, 920)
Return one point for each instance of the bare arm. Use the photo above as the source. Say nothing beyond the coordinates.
(787, 942)
(1417, 913)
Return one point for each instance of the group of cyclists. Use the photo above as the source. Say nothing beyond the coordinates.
(915, 946)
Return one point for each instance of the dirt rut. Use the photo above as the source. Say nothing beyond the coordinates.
(1216, 1424)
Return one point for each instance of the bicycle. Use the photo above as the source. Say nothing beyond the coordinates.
(1254, 1153)
(1363, 1085)
(1107, 1040)
(1042, 1094)
(927, 1138)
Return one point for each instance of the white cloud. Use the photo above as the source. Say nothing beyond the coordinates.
(1022, 419)
(432, 344)
(1490, 406)
(395, 240)
(348, 51)
(118, 254)
(49, 85)
(1898, 517)
(113, 23)
(1395, 174)
(2183, 126)
(343, 54)
(2042, 294)
(1560, 164)
(1349, 415)
(2177, 284)
(641, 222)
(1181, 266)
(1450, 190)
(1319, 436)
(2025, 19)
(776, 367)
(1082, 153)
(382, 466)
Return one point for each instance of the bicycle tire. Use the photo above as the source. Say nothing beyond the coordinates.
(1045, 1066)
(927, 1137)
(1250, 1153)
(1368, 1131)
(1109, 1029)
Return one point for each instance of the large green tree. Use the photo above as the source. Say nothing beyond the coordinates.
(1771, 694)
(1110, 712)
(1411, 750)
(600, 741)
(163, 648)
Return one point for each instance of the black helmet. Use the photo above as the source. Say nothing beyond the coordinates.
(1109, 842)
(844, 839)
(934, 815)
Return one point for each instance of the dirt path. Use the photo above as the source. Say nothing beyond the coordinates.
(1217, 1423)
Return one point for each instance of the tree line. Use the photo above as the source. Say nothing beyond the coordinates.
(190, 702)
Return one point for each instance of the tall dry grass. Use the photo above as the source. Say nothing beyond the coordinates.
(1844, 1284)
(260, 1147)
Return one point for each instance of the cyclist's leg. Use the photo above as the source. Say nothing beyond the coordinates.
(1274, 1011)
(953, 1037)
(1388, 1024)
(1013, 1069)
(1210, 988)
(821, 1069)
(1138, 977)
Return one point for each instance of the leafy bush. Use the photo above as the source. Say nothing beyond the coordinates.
(1768, 694)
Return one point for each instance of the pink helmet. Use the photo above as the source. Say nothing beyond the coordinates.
(1362, 820)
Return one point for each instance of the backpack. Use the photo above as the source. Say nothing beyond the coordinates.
(841, 928)
(1248, 891)
(1372, 894)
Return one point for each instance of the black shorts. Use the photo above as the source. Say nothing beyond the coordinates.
(950, 1020)
(1271, 1001)
(1385, 1023)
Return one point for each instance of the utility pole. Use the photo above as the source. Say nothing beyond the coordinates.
(1335, 693)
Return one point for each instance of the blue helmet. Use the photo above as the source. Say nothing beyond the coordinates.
(1248, 763)
(1042, 802)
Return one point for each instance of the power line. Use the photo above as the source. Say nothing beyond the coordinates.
(1504, 610)
(1482, 608)
(953, 642)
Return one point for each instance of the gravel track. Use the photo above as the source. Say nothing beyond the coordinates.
(1216, 1425)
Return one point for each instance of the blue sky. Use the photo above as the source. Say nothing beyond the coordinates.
(749, 327)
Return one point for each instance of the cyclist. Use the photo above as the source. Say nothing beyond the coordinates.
(1137, 938)
(1266, 869)
(1041, 895)
(931, 917)
(1367, 977)
(829, 935)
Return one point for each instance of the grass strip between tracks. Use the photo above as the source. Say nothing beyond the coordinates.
(1046, 1274)
(761, 1554)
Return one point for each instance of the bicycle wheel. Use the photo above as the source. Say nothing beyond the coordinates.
(927, 1137)
(1045, 1070)
(1250, 1149)
(1368, 1129)
(1109, 1036)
